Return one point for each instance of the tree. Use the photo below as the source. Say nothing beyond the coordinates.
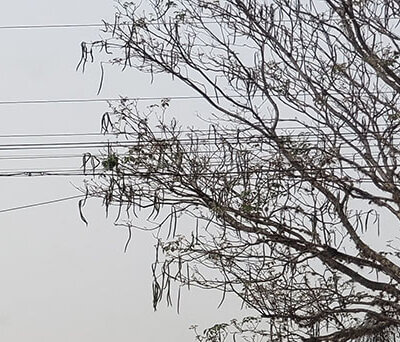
(294, 189)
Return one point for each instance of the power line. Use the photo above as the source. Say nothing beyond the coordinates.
(49, 26)
(38, 204)
(152, 98)
(99, 156)
(33, 157)
(71, 26)
(205, 141)
(362, 180)
(58, 200)
(251, 143)
(102, 24)
(202, 131)
(205, 131)
(216, 169)
(80, 156)
(87, 25)
(54, 135)
(97, 100)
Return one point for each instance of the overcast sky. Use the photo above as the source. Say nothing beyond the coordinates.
(60, 280)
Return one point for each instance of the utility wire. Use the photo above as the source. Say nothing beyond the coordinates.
(206, 137)
(115, 146)
(362, 180)
(49, 156)
(72, 26)
(205, 131)
(49, 26)
(38, 204)
(45, 203)
(97, 25)
(80, 156)
(148, 98)
(227, 169)
(204, 143)
(54, 135)
(97, 100)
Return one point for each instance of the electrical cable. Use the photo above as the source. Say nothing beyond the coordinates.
(218, 170)
(38, 204)
(49, 26)
(97, 25)
(97, 100)
(148, 98)
(69, 26)
(54, 135)
(44, 203)
(206, 138)
(205, 131)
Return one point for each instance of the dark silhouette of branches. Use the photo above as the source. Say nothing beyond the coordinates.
(289, 222)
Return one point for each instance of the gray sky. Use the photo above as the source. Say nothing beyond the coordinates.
(61, 280)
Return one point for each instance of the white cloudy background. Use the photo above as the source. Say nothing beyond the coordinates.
(61, 280)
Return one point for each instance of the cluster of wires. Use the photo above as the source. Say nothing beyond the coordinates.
(61, 154)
